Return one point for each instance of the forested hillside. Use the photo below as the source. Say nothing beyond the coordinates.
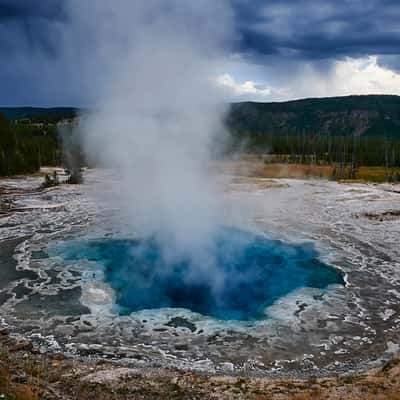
(37, 113)
(342, 132)
(27, 144)
(366, 116)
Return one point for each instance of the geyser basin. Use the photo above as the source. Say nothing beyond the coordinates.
(237, 278)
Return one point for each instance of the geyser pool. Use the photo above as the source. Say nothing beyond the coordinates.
(243, 274)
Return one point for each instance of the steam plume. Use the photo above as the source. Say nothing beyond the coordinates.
(159, 112)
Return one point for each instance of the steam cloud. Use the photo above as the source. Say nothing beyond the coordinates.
(159, 112)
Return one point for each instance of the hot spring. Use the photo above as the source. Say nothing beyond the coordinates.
(230, 300)
(242, 275)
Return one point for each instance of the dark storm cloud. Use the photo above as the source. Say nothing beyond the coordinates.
(27, 25)
(318, 29)
(23, 10)
(62, 52)
(390, 61)
(39, 54)
(302, 29)
(49, 49)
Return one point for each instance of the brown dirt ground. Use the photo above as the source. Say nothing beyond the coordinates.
(27, 375)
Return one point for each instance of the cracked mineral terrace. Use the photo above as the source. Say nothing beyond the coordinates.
(67, 305)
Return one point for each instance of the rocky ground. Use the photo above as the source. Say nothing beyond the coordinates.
(25, 374)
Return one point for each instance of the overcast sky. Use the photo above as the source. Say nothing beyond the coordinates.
(51, 52)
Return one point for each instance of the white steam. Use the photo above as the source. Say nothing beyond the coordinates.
(159, 112)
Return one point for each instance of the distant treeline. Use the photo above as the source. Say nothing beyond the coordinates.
(39, 113)
(343, 132)
(317, 149)
(24, 147)
(372, 116)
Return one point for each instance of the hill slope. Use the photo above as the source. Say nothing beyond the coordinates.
(371, 115)
(12, 113)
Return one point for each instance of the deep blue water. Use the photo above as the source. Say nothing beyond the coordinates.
(242, 274)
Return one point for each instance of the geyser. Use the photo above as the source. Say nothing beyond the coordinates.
(249, 273)
(159, 121)
(158, 125)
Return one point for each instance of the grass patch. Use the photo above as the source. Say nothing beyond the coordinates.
(256, 166)
(376, 174)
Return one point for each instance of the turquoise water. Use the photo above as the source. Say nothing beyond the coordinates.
(240, 275)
